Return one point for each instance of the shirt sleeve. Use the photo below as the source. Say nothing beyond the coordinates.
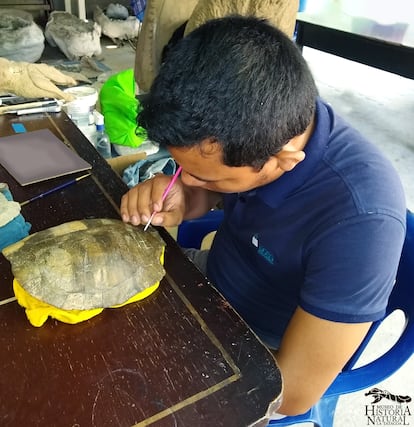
(351, 268)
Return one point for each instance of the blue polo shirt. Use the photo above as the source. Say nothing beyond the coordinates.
(326, 236)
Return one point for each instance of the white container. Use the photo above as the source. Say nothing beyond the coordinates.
(80, 110)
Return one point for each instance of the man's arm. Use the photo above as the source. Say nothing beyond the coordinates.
(312, 353)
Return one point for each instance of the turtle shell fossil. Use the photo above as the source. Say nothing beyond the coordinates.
(93, 263)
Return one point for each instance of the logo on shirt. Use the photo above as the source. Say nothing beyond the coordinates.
(262, 251)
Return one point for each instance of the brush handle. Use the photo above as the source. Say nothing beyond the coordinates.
(164, 195)
(169, 186)
(54, 189)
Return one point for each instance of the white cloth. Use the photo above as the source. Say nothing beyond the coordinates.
(8, 210)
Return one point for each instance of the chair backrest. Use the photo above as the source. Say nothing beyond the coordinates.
(403, 295)
(191, 232)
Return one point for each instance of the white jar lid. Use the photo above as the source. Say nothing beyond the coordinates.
(85, 94)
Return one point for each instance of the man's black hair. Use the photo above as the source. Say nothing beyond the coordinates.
(235, 80)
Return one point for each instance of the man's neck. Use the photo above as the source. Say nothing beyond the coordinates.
(299, 142)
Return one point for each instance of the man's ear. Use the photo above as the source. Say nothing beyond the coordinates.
(287, 158)
(210, 147)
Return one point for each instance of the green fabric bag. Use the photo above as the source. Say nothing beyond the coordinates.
(120, 109)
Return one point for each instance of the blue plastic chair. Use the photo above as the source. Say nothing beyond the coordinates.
(352, 380)
(191, 232)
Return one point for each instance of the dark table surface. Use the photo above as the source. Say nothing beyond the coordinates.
(181, 357)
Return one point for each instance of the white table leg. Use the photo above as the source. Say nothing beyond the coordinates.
(81, 8)
(68, 6)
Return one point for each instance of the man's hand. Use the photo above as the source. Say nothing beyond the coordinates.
(138, 204)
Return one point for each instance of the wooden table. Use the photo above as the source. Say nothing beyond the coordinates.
(181, 357)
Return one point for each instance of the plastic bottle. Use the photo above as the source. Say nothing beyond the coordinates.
(102, 144)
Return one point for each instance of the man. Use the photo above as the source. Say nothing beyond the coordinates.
(314, 215)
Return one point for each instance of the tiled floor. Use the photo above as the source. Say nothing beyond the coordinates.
(380, 105)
